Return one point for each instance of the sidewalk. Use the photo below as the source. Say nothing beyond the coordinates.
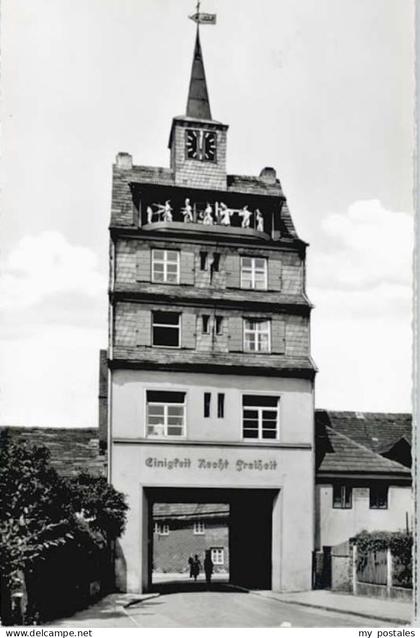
(391, 610)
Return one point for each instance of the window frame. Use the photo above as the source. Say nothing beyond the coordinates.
(161, 529)
(165, 263)
(253, 271)
(221, 552)
(260, 419)
(204, 260)
(199, 528)
(379, 487)
(345, 490)
(215, 264)
(207, 405)
(170, 326)
(165, 434)
(218, 324)
(246, 331)
(220, 405)
(205, 322)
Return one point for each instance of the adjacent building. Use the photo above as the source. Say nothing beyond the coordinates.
(358, 485)
(183, 530)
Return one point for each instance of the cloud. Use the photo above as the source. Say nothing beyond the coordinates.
(44, 265)
(53, 298)
(367, 247)
(51, 378)
(360, 282)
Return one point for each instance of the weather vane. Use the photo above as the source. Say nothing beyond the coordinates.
(202, 18)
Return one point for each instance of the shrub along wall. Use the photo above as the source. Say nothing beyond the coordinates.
(55, 535)
(371, 547)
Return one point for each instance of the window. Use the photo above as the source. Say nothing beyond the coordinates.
(378, 497)
(219, 325)
(220, 405)
(218, 555)
(256, 335)
(166, 329)
(165, 414)
(342, 497)
(205, 319)
(165, 266)
(199, 527)
(254, 273)
(216, 262)
(162, 529)
(203, 261)
(207, 401)
(260, 416)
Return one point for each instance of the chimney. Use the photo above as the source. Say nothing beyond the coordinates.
(124, 161)
(268, 175)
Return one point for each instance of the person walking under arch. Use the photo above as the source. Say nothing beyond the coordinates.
(208, 566)
(190, 565)
(196, 567)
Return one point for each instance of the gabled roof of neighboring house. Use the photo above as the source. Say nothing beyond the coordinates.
(377, 431)
(72, 449)
(338, 454)
(191, 511)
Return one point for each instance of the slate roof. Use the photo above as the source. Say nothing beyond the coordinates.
(72, 449)
(198, 104)
(190, 510)
(338, 454)
(239, 363)
(123, 211)
(377, 431)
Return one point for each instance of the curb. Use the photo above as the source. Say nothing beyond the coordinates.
(399, 621)
(139, 599)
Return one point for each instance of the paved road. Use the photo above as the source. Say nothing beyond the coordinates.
(221, 606)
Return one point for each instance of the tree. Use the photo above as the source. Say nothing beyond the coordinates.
(94, 499)
(45, 517)
(35, 506)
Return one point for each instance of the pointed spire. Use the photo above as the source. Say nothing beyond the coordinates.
(198, 105)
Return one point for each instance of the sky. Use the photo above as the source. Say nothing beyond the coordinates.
(323, 90)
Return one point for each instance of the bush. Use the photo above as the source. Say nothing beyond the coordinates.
(52, 530)
(401, 546)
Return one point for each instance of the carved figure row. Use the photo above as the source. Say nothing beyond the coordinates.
(220, 216)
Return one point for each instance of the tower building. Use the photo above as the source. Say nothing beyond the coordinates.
(210, 376)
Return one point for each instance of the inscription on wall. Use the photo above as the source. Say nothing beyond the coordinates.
(221, 464)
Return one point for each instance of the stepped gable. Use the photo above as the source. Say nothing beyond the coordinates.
(338, 454)
(377, 431)
(72, 449)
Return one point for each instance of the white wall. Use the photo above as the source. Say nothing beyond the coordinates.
(129, 402)
(291, 474)
(338, 525)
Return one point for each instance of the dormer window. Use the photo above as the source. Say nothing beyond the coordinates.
(200, 145)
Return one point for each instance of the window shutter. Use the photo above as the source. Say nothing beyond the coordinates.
(232, 271)
(235, 334)
(143, 328)
(274, 274)
(187, 268)
(189, 322)
(278, 336)
(143, 264)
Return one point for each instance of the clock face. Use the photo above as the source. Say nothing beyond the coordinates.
(209, 146)
(192, 144)
(200, 145)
